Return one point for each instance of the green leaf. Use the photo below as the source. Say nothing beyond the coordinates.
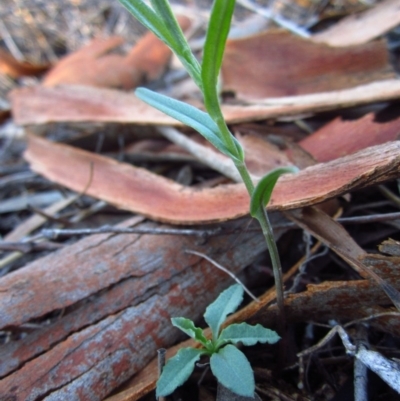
(226, 303)
(162, 22)
(146, 16)
(232, 369)
(262, 192)
(217, 33)
(177, 370)
(247, 334)
(188, 327)
(186, 114)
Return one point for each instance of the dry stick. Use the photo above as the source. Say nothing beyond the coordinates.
(161, 362)
(388, 370)
(206, 155)
(371, 317)
(360, 374)
(389, 194)
(55, 233)
(59, 232)
(225, 270)
(26, 247)
(36, 221)
(29, 225)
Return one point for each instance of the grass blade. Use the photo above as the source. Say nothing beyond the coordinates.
(180, 46)
(217, 33)
(146, 16)
(162, 22)
(187, 114)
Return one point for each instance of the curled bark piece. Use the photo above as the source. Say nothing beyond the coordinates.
(138, 190)
(76, 104)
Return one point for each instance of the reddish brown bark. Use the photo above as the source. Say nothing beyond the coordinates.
(276, 63)
(72, 104)
(141, 191)
(119, 292)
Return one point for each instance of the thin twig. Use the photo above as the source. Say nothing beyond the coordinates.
(26, 247)
(55, 233)
(160, 363)
(225, 271)
(206, 155)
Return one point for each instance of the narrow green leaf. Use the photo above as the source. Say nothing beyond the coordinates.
(177, 370)
(146, 16)
(181, 48)
(247, 334)
(217, 33)
(232, 369)
(188, 327)
(226, 303)
(262, 192)
(163, 24)
(186, 114)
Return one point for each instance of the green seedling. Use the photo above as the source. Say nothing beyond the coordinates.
(228, 364)
(160, 19)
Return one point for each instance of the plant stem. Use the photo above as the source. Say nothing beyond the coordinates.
(263, 220)
(214, 110)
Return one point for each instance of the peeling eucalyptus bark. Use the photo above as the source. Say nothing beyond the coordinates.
(119, 292)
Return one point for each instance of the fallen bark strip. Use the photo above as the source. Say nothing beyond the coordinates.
(363, 27)
(344, 137)
(80, 104)
(290, 65)
(136, 189)
(342, 301)
(129, 286)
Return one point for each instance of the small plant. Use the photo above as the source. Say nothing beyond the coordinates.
(161, 21)
(228, 364)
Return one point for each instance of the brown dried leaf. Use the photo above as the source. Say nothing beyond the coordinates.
(138, 190)
(276, 63)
